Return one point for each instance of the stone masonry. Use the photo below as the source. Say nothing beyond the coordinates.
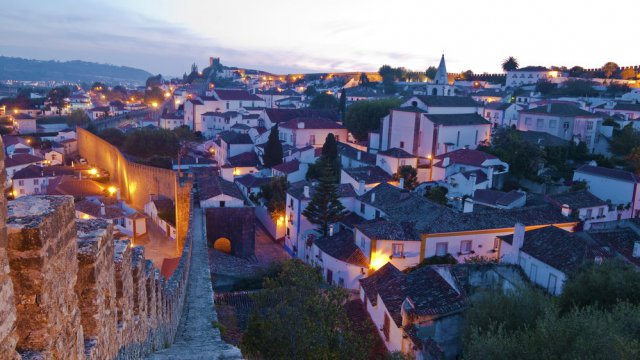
(8, 334)
(43, 260)
(96, 289)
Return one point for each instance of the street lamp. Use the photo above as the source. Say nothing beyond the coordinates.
(430, 167)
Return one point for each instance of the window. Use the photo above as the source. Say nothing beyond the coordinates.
(227, 105)
(553, 124)
(551, 285)
(589, 213)
(36, 181)
(362, 208)
(539, 123)
(401, 144)
(589, 125)
(398, 250)
(496, 243)
(362, 242)
(533, 272)
(458, 139)
(312, 139)
(222, 203)
(319, 254)
(587, 139)
(600, 212)
(377, 214)
(288, 232)
(465, 246)
(475, 141)
(291, 203)
(441, 249)
(386, 326)
(21, 182)
(21, 191)
(341, 282)
(527, 121)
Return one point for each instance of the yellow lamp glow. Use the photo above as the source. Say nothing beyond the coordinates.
(112, 190)
(378, 260)
(93, 171)
(154, 104)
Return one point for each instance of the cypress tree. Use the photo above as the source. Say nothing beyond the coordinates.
(325, 207)
(273, 150)
(343, 103)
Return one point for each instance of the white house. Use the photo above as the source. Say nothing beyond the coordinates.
(501, 114)
(446, 165)
(547, 255)
(584, 206)
(25, 123)
(158, 208)
(530, 75)
(564, 121)
(342, 263)
(300, 132)
(171, 121)
(391, 159)
(618, 187)
(218, 192)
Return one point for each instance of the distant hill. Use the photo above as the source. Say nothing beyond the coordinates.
(12, 68)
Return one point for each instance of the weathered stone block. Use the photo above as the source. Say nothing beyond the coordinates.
(42, 255)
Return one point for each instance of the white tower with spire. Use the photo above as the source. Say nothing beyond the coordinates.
(439, 85)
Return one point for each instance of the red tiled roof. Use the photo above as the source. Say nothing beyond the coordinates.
(465, 156)
(169, 265)
(311, 123)
(21, 159)
(288, 167)
(236, 95)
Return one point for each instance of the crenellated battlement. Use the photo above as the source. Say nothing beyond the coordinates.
(69, 291)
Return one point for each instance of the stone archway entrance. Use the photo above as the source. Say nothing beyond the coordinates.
(223, 245)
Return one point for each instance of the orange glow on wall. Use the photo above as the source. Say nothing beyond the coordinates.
(378, 260)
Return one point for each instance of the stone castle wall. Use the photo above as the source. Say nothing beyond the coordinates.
(135, 181)
(69, 291)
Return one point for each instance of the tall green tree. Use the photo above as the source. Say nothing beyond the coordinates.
(510, 64)
(273, 152)
(297, 318)
(364, 116)
(343, 103)
(609, 69)
(78, 117)
(330, 148)
(431, 72)
(325, 207)
(364, 80)
(275, 195)
(625, 140)
(409, 174)
(324, 101)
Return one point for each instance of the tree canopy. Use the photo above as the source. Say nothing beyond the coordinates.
(148, 142)
(364, 116)
(409, 174)
(275, 195)
(510, 64)
(325, 207)
(624, 140)
(324, 101)
(609, 69)
(297, 318)
(431, 72)
(273, 152)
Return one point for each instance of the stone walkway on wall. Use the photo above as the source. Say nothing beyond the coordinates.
(196, 338)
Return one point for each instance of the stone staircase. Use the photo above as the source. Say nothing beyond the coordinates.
(196, 337)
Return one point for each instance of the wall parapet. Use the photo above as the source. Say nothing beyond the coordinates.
(79, 294)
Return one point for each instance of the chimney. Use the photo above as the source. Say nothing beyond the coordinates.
(445, 161)
(359, 155)
(103, 212)
(306, 191)
(566, 210)
(300, 124)
(473, 177)
(401, 185)
(361, 187)
(373, 198)
(467, 206)
(331, 230)
(518, 236)
(636, 249)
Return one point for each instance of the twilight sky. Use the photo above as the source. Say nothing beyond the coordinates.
(165, 36)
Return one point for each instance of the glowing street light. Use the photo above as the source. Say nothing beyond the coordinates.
(430, 167)
(112, 190)
(154, 104)
(93, 171)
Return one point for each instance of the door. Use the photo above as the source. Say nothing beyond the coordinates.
(551, 286)
(533, 272)
(385, 327)
(329, 277)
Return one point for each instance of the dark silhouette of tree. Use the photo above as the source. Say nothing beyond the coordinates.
(438, 194)
(275, 195)
(343, 103)
(545, 87)
(310, 91)
(431, 72)
(576, 71)
(409, 174)
(324, 101)
(330, 148)
(273, 152)
(325, 208)
(113, 136)
(364, 80)
(364, 116)
(510, 64)
(609, 69)
(297, 317)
